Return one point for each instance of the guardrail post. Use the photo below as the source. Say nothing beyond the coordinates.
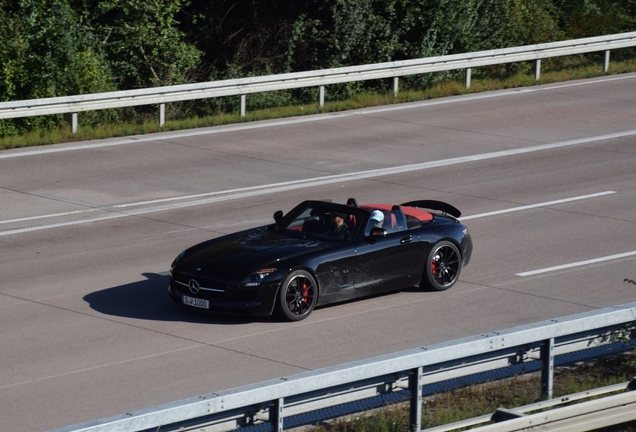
(321, 96)
(467, 81)
(606, 63)
(547, 367)
(162, 114)
(415, 386)
(396, 83)
(74, 122)
(243, 105)
(537, 69)
(276, 415)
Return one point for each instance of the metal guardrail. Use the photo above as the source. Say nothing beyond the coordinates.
(276, 399)
(318, 78)
(584, 416)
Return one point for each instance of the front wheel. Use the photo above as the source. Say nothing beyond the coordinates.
(298, 296)
(442, 267)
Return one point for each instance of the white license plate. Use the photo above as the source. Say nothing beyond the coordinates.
(203, 304)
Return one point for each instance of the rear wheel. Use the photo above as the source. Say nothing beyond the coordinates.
(298, 296)
(443, 266)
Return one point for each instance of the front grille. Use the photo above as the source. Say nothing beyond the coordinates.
(203, 281)
(212, 290)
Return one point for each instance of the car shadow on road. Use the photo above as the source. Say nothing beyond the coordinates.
(149, 300)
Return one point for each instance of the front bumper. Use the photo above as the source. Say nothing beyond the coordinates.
(256, 301)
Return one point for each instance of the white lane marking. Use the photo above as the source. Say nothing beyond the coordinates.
(578, 264)
(544, 204)
(317, 181)
(47, 216)
(225, 192)
(318, 117)
(62, 224)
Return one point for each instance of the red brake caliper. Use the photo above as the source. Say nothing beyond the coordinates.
(433, 268)
(305, 293)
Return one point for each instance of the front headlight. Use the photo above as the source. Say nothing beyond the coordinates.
(256, 278)
(176, 260)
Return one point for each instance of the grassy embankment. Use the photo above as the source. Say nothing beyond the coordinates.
(447, 88)
(478, 400)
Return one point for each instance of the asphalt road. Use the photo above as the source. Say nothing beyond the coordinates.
(545, 178)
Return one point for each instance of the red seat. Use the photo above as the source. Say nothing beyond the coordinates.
(350, 220)
(390, 223)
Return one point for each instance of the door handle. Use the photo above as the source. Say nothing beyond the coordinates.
(407, 239)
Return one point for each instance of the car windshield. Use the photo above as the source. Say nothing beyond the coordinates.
(321, 221)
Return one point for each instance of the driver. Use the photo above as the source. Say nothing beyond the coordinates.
(337, 220)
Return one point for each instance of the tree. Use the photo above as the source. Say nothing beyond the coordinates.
(143, 42)
(47, 49)
(587, 18)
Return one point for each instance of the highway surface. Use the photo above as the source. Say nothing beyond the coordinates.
(545, 178)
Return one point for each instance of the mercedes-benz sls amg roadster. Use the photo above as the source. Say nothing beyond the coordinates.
(320, 253)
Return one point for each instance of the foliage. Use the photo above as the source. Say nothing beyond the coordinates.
(586, 18)
(68, 47)
(47, 49)
(54, 48)
(145, 47)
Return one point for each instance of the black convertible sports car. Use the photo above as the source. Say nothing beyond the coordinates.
(322, 252)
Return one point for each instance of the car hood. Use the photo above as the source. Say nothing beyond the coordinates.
(244, 251)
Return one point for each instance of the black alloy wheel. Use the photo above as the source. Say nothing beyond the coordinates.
(298, 295)
(443, 266)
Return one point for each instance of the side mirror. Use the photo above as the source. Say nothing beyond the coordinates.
(377, 232)
(278, 216)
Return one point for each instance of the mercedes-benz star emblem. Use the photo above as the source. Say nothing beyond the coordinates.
(194, 286)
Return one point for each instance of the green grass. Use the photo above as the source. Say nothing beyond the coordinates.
(478, 400)
(479, 83)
